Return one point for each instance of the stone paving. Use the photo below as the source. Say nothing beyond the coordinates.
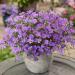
(61, 66)
(21, 70)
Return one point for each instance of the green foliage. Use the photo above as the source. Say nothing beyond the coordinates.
(24, 3)
(5, 54)
(70, 10)
(70, 13)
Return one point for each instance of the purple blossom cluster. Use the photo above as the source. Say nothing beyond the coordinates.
(6, 9)
(38, 33)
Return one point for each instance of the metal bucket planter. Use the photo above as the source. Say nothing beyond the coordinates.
(40, 66)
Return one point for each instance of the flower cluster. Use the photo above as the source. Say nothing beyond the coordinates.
(38, 33)
(5, 9)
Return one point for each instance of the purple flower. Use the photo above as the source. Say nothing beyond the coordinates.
(51, 44)
(9, 9)
(38, 33)
(46, 42)
(15, 50)
(2, 44)
(39, 40)
(34, 14)
(30, 40)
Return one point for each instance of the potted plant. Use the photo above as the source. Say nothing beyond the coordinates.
(7, 11)
(37, 35)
